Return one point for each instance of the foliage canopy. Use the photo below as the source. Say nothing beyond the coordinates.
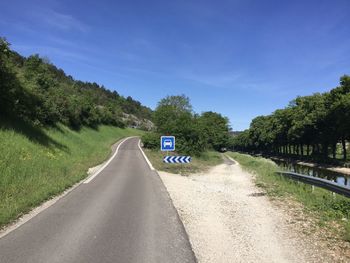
(194, 133)
(309, 125)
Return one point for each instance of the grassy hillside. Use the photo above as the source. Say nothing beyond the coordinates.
(36, 164)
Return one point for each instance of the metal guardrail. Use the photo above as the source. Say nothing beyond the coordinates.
(319, 182)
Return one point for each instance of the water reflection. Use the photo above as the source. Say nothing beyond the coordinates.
(339, 178)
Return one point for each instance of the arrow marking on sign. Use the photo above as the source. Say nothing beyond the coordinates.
(177, 159)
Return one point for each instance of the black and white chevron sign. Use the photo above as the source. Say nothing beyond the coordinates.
(177, 159)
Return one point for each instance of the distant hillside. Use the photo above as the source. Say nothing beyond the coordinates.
(36, 91)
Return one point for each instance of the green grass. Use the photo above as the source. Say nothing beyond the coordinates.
(36, 164)
(198, 164)
(321, 202)
(347, 231)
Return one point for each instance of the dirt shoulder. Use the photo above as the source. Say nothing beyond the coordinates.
(229, 219)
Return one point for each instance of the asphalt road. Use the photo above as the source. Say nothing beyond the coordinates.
(122, 215)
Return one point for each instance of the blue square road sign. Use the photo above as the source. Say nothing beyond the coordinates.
(167, 143)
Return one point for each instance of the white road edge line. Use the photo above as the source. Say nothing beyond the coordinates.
(144, 155)
(92, 177)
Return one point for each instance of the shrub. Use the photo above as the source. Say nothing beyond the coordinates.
(151, 140)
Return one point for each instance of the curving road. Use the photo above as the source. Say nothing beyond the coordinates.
(123, 215)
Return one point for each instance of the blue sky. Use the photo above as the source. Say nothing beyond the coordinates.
(242, 58)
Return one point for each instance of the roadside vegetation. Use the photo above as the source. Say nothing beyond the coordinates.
(200, 136)
(319, 202)
(315, 127)
(36, 164)
(37, 92)
(198, 164)
(195, 134)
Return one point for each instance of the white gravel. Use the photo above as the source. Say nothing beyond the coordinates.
(228, 219)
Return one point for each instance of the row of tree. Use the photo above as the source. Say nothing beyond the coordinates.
(309, 125)
(194, 133)
(36, 91)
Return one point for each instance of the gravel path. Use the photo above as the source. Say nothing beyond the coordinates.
(229, 220)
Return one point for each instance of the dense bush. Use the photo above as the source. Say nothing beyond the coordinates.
(151, 140)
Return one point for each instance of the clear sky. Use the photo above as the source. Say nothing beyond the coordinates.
(241, 58)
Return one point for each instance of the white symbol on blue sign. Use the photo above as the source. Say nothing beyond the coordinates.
(167, 143)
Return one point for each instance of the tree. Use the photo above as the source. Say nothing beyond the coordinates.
(180, 103)
(14, 99)
(338, 102)
(174, 116)
(216, 128)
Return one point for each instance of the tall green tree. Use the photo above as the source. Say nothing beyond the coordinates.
(173, 116)
(216, 129)
(179, 103)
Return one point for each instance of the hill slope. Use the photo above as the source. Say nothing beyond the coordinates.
(37, 91)
(36, 164)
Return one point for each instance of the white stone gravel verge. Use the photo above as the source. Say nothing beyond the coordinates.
(228, 219)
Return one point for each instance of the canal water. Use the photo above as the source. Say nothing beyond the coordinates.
(336, 177)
